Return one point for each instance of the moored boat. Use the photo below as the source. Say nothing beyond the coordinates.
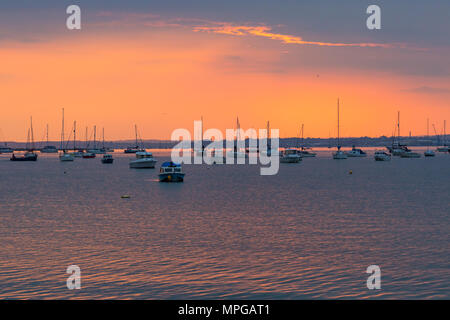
(107, 158)
(356, 153)
(88, 155)
(27, 156)
(144, 160)
(290, 155)
(65, 156)
(410, 154)
(171, 172)
(49, 149)
(382, 156)
(339, 154)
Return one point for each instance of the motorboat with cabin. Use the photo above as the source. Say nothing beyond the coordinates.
(290, 155)
(144, 160)
(171, 172)
(381, 155)
(356, 153)
(107, 158)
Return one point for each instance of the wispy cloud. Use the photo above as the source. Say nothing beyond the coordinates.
(266, 31)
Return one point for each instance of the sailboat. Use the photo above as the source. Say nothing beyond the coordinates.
(77, 153)
(64, 156)
(48, 148)
(303, 151)
(236, 153)
(445, 147)
(30, 155)
(136, 148)
(429, 153)
(397, 149)
(96, 150)
(339, 155)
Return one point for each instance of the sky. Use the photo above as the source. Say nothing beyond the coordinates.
(163, 64)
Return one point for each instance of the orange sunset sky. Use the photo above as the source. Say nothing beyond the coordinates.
(162, 70)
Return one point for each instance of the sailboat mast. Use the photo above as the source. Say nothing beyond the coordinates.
(136, 134)
(103, 137)
(74, 134)
(203, 147)
(32, 134)
(445, 133)
(303, 138)
(47, 133)
(95, 137)
(398, 125)
(62, 130)
(338, 123)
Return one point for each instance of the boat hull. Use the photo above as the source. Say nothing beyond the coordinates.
(410, 155)
(290, 159)
(66, 158)
(171, 177)
(143, 164)
(107, 160)
(25, 158)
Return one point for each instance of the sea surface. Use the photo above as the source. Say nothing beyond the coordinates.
(309, 232)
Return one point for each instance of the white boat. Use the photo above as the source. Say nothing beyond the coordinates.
(339, 154)
(356, 153)
(97, 151)
(429, 153)
(144, 160)
(410, 154)
(63, 157)
(78, 154)
(290, 155)
(382, 156)
(48, 149)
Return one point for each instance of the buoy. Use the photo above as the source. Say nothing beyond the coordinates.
(125, 196)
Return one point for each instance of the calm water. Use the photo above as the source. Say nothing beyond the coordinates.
(226, 232)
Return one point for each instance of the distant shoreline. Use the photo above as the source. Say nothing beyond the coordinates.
(284, 142)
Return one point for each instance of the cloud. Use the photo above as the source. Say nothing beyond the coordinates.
(266, 31)
(429, 90)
